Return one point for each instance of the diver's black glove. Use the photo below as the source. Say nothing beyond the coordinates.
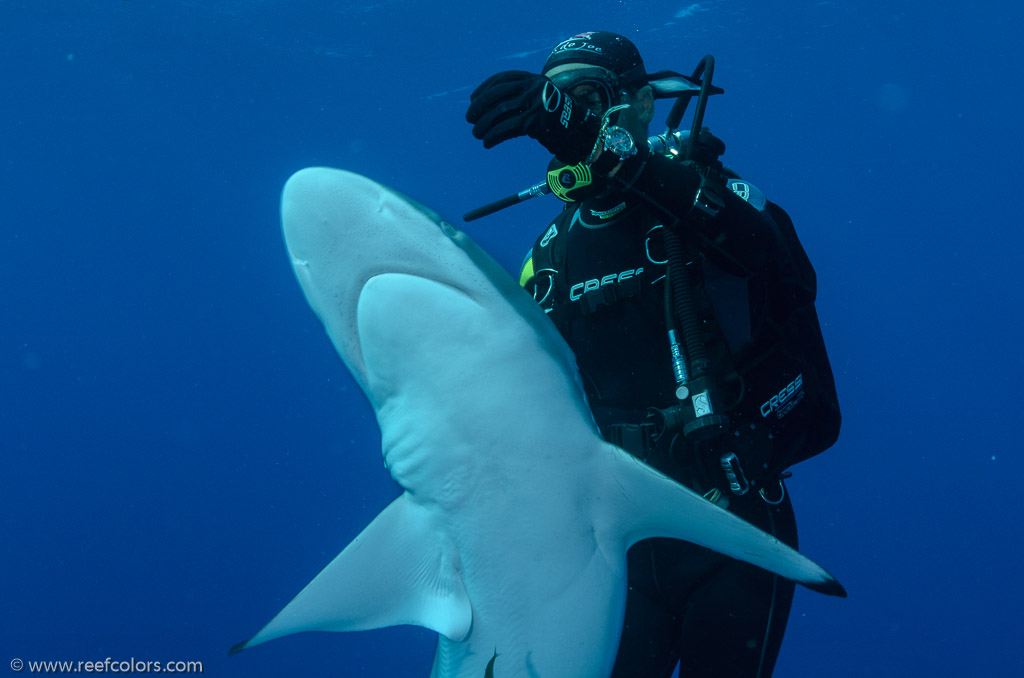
(516, 103)
(707, 149)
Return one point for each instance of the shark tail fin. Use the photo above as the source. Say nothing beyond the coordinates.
(642, 503)
(399, 570)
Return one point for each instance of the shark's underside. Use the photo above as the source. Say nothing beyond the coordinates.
(512, 530)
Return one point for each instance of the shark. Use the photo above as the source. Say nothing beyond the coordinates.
(509, 537)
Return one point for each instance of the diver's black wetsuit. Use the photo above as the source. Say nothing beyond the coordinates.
(600, 271)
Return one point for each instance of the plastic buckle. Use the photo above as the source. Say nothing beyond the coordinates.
(707, 199)
(637, 439)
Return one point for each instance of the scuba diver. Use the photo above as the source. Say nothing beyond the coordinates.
(689, 303)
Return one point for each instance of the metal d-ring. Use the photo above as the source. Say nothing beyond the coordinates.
(782, 489)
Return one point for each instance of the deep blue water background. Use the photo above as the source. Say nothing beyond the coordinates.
(182, 450)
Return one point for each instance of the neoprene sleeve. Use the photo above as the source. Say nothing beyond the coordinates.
(740, 239)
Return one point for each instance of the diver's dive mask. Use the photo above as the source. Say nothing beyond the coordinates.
(605, 88)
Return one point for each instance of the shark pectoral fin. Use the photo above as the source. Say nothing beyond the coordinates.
(399, 570)
(643, 503)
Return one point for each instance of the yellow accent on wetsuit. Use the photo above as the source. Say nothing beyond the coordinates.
(526, 272)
